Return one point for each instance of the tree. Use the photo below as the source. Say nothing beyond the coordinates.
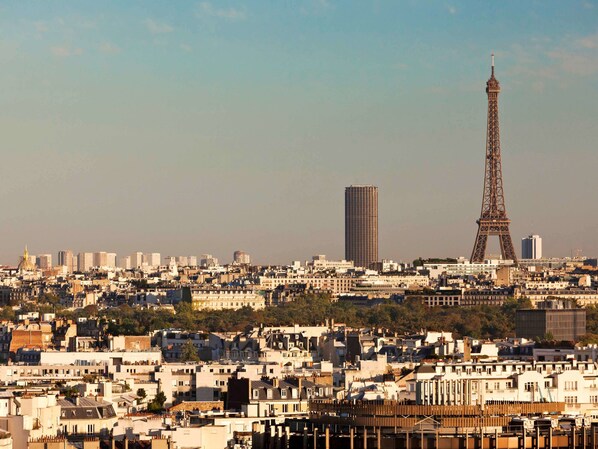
(141, 394)
(157, 404)
(189, 352)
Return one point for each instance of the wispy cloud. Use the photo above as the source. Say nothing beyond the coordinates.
(66, 51)
(316, 7)
(451, 9)
(155, 27)
(40, 26)
(575, 63)
(109, 48)
(589, 41)
(206, 9)
(547, 63)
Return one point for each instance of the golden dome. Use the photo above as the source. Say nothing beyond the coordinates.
(25, 263)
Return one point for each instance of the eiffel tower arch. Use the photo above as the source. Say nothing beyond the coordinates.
(493, 218)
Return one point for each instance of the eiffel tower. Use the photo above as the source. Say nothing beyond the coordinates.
(493, 219)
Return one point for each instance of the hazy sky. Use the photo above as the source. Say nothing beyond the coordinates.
(204, 127)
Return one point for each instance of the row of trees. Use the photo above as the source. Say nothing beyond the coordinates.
(312, 309)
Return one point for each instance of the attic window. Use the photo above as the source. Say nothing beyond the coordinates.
(88, 412)
(256, 394)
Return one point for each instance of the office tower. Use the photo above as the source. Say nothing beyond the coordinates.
(192, 261)
(84, 261)
(169, 260)
(124, 263)
(66, 259)
(136, 259)
(493, 218)
(151, 259)
(100, 259)
(531, 247)
(242, 258)
(182, 261)
(361, 225)
(207, 260)
(111, 260)
(44, 261)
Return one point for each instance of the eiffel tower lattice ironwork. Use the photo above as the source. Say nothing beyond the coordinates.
(493, 219)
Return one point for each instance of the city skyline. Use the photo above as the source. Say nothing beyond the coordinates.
(215, 127)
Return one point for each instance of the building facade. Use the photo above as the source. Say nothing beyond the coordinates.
(531, 247)
(361, 225)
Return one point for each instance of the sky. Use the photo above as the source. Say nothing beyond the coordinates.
(205, 127)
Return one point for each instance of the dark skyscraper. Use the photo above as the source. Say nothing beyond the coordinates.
(361, 225)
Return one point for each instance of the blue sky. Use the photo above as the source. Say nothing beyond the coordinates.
(205, 127)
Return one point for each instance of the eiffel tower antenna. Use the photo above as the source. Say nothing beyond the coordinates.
(493, 218)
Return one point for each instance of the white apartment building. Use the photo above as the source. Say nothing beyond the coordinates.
(334, 284)
(320, 263)
(100, 259)
(84, 261)
(220, 299)
(136, 260)
(477, 383)
(152, 260)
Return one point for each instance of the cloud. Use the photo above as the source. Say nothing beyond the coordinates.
(575, 63)
(157, 27)
(108, 48)
(451, 9)
(316, 7)
(206, 9)
(40, 27)
(66, 52)
(186, 47)
(589, 41)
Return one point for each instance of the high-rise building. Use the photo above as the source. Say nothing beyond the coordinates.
(182, 261)
(531, 247)
(66, 259)
(111, 260)
(124, 263)
(192, 261)
(152, 259)
(136, 259)
(100, 259)
(207, 260)
(242, 258)
(361, 225)
(44, 261)
(84, 261)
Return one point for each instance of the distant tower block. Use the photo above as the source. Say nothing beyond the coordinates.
(531, 247)
(241, 258)
(361, 225)
(493, 219)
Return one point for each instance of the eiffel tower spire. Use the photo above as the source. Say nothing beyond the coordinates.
(493, 218)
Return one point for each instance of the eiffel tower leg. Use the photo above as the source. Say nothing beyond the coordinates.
(479, 248)
(506, 246)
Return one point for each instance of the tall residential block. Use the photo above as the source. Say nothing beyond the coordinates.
(44, 261)
(84, 261)
(136, 259)
(531, 247)
(361, 225)
(152, 259)
(66, 259)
